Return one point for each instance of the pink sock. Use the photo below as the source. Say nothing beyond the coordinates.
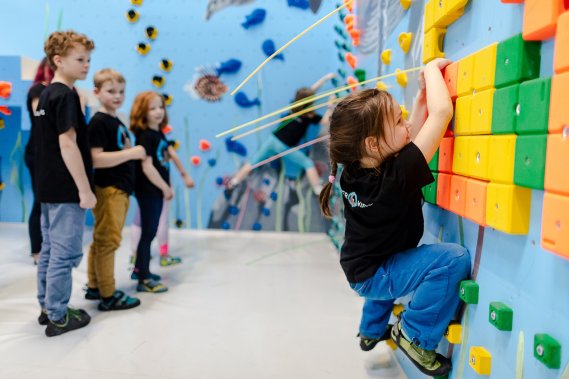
(164, 249)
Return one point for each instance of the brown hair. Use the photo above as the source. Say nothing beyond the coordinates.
(301, 94)
(107, 75)
(59, 43)
(358, 116)
(138, 121)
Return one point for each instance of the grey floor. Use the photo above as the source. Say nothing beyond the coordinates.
(241, 305)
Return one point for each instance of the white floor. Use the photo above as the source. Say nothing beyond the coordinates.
(241, 305)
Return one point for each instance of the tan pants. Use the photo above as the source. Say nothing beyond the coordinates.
(110, 214)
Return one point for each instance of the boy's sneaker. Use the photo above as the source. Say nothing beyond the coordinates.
(43, 319)
(92, 293)
(74, 319)
(119, 301)
(149, 285)
(134, 276)
(427, 361)
(367, 343)
(168, 260)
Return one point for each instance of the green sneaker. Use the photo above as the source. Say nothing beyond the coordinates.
(150, 285)
(74, 319)
(427, 361)
(168, 260)
(367, 343)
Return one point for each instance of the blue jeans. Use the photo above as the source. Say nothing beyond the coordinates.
(273, 146)
(61, 250)
(434, 272)
(150, 210)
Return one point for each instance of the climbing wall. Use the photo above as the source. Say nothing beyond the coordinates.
(183, 50)
(501, 184)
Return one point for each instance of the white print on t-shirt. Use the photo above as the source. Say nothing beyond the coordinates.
(39, 113)
(352, 198)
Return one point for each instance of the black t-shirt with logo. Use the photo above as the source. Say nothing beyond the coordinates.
(291, 132)
(110, 134)
(34, 93)
(156, 146)
(383, 211)
(58, 111)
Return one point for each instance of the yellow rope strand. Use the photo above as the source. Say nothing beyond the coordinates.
(311, 99)
(288, 44)
(286, 118)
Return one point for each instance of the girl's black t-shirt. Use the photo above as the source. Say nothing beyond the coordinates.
(383, 211)
(58, 111)
(110, 134)
(156, 146)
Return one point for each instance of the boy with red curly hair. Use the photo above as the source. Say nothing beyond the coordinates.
(64, 180)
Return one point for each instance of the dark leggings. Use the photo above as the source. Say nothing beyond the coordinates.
(150, 209)
(34, 225)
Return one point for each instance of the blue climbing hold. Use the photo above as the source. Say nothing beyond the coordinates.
(243, 101)
(256, 17)
(225, 225)
(235, 147)
(233, 210)
(269, 49)
(212, 162)
(266, 212)
(302, 4)
(274, 196)
(266, 181)
(257, 226)
(228, 67)
(219, 180)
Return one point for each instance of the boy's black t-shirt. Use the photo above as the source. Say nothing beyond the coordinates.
(58, 111)
(291, 132)
(34, 93)
(383, 211)
(109, 133)
(156, 146)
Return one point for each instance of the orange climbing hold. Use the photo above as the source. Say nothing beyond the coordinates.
(540, 18)
(352, 60)
(5, 89)
(349, 5)
(5, 110)
(352, 82)
(196, 160)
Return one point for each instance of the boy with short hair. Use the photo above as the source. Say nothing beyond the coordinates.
(64, 180)
(113, 157)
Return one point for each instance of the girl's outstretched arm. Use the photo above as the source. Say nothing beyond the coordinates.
(188, 181)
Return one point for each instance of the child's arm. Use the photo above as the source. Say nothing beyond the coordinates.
(188, 181)
(106, 159)
(154, 176)
(440, 109)
(74, 163)
(325, 122)
(320, 82)
(419, 112)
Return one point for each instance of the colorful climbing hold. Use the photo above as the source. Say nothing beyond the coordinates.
(151, 32)
(405, 41)
(132, 15)
(196, 161)
(143, 48)
(204, 145)
(401, 78)
(166, 65)
(386, 56)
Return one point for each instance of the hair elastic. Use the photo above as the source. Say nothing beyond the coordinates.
(331, 179)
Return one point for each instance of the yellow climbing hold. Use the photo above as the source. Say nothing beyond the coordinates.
(405, 3)
(143, 48)
(405, 41)
(397, 309)
(454, 333)
(382, 86)
(386, 56)
(404, 112)
(401, 78)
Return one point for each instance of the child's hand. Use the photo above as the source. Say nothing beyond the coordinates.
(138, 152)
(168, 193)
(189, 182)
(330, 76)
(87, 200)
(438, 63)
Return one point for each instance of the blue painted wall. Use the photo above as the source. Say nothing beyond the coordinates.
(190, 42)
